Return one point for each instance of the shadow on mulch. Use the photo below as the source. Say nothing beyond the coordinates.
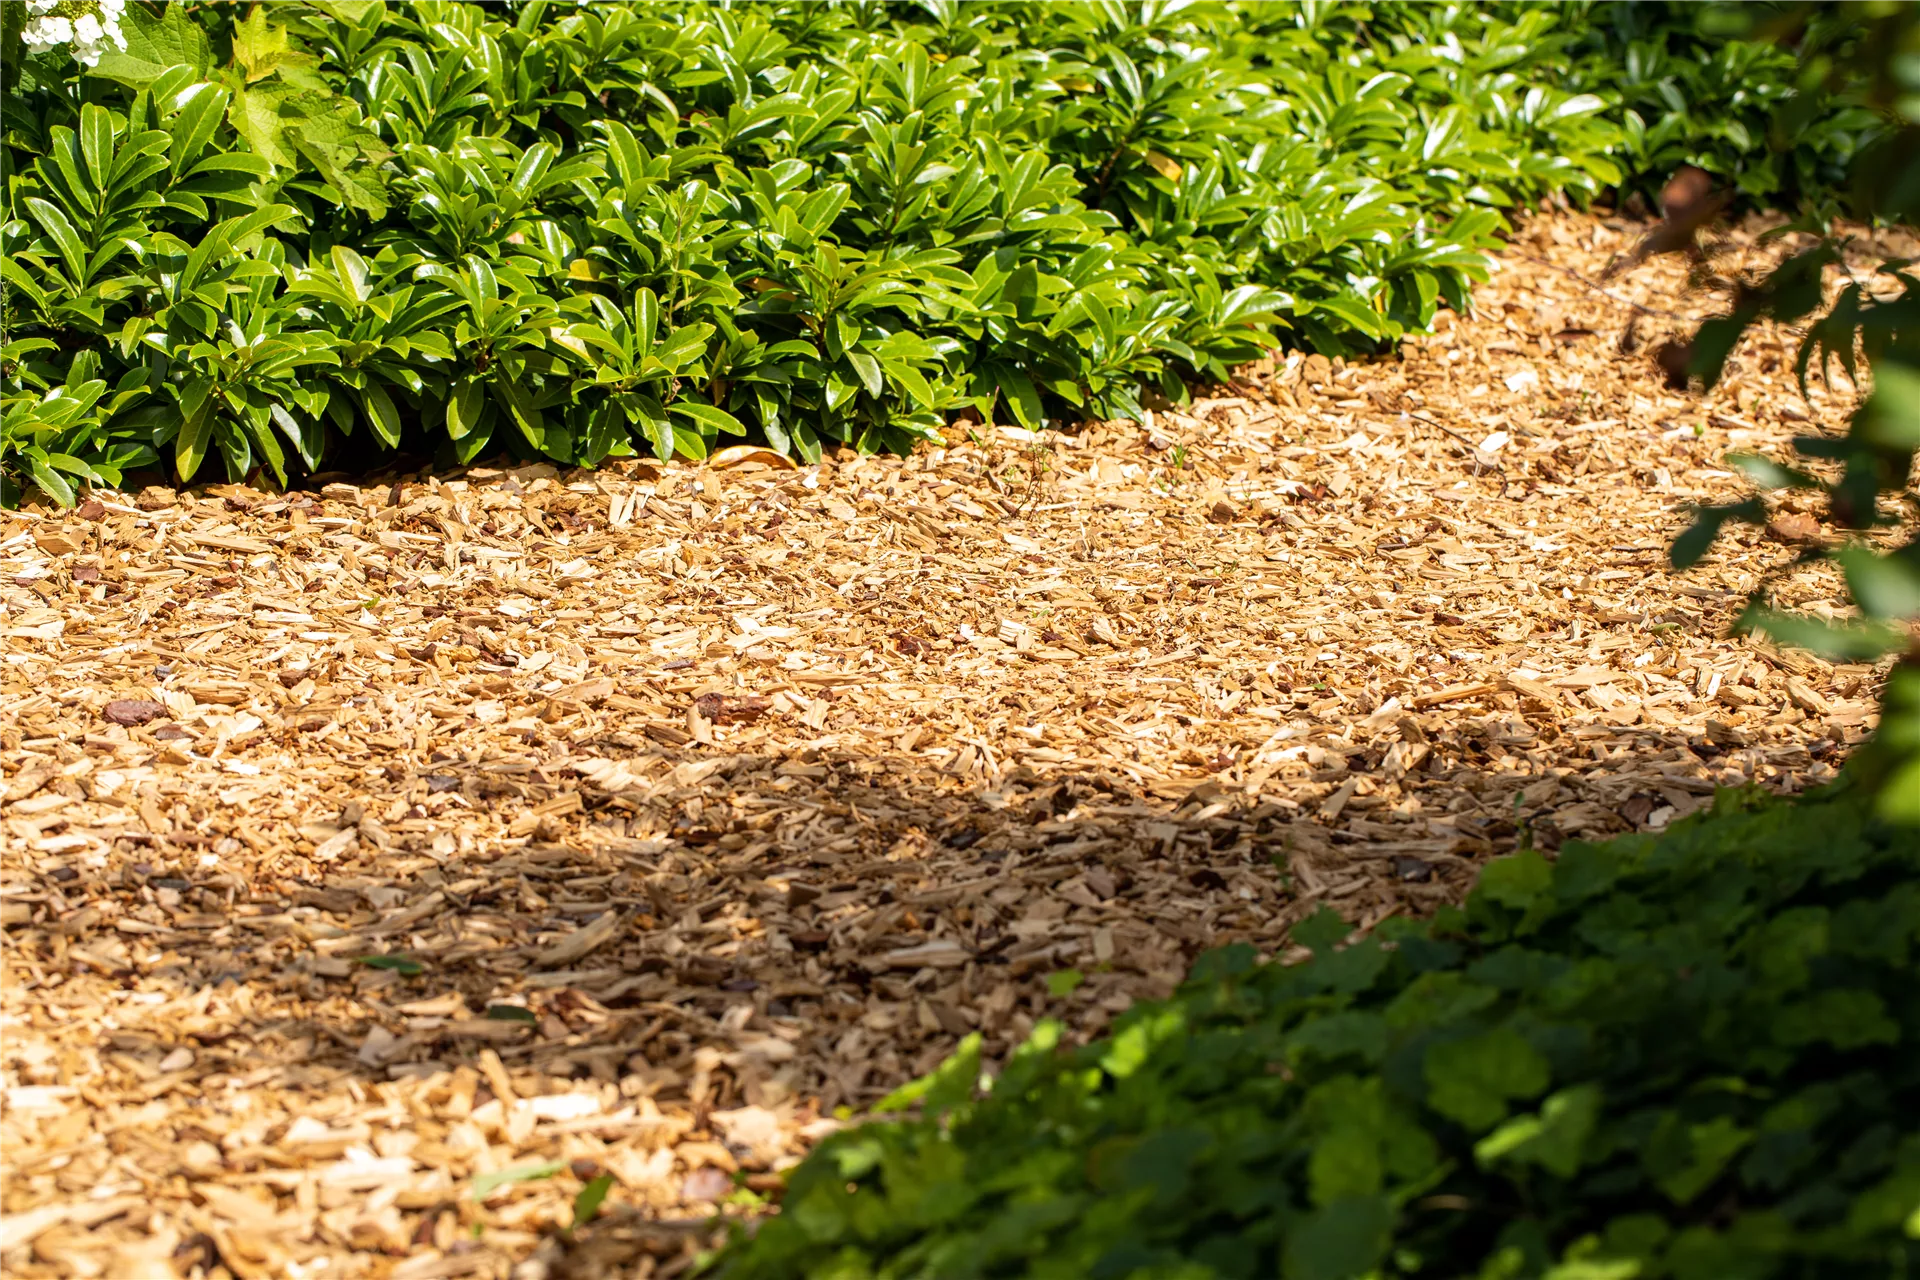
(1130, 886)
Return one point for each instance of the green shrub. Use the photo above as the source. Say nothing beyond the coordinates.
(1691, 1055)
(1703, 84)
(1688, 85)
(260, 231)
(580, 231)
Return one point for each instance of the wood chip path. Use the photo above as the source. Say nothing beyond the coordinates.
(690, 807)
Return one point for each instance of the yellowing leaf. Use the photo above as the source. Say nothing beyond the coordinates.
(259, 48)
(1166, 166)
(565, 338)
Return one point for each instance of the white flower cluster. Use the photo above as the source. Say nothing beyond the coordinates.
(85, 24)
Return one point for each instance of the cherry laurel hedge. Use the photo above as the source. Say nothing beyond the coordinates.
(1692, 1055)
(581, 230)
(267, 234)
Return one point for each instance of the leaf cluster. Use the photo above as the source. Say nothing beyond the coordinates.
(1708, 85)
(1688, 1055)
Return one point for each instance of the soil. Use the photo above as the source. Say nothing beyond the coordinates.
(364, 844)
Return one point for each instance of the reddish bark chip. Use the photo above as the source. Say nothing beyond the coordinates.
(133, 711)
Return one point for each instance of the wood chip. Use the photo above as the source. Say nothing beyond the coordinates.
(1456, 693)
(580, 942)
(133, 711)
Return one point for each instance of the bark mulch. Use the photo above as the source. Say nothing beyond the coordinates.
(363, 844)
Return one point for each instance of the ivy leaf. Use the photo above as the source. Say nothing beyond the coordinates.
(1555, 1138)
(1515, 881)
(943, 1088)
(1473, 1079)
(1321, 931)
(1685, 1159)
(1343, 1240)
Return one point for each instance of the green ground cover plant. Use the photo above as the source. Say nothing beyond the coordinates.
(260, 235)
(1686, 1055)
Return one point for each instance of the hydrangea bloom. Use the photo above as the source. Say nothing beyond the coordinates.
(87, 25)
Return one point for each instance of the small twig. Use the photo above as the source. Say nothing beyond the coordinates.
(1605, 293)
(1471, 447)
(1480, 464)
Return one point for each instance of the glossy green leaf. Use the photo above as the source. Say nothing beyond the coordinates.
(708, 417)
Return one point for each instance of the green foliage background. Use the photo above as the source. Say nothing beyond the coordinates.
(264, 232)
(1870, 330)
(1702, 83)
(265, 235)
